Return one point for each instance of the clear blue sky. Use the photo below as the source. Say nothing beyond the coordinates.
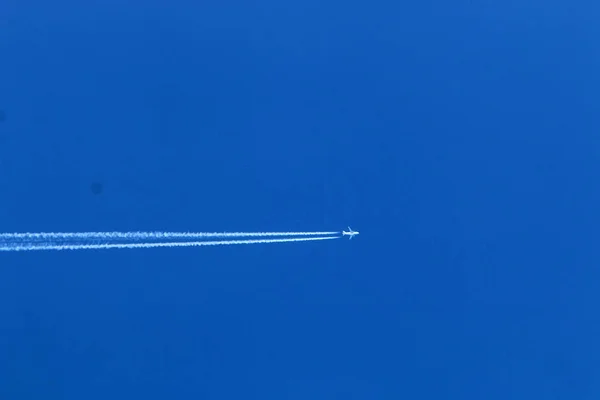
(460, 138)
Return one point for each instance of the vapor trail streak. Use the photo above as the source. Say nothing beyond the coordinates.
(37, 246)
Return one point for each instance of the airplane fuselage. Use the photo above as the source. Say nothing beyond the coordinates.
(350, 233)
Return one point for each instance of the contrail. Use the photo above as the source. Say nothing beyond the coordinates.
(24, 245)
(139, 236)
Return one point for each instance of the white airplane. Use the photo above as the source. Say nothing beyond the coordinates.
(350, 233)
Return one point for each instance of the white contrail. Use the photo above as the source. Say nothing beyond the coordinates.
(23, 245)
(140, 236)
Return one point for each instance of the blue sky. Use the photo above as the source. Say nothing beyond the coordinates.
(460, 139)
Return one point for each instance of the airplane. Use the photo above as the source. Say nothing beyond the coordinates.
(350, 233)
